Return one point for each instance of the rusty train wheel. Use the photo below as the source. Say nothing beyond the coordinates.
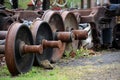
(54, 19)
(17, 62)
(56, 24)
(41, 30)
(70, 23)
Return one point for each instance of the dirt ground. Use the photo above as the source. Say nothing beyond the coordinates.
(102, 66)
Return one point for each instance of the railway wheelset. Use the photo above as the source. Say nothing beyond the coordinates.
(46, 38)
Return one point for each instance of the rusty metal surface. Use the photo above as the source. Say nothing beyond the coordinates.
(65, 36)
(51, 44)
(32, 49)
(58, 51)
(70, 23)
(80, 34)
(16, 62)
(78, 13)
(84, 12)
(62, 26)
(96, 13)
(3, 35)
(41, 30)
(54, 19)
(69, 20)
(91, 15)
(27, 15)
(94, 16)
(57, 25)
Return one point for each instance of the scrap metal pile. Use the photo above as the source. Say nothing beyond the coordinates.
(29, 37)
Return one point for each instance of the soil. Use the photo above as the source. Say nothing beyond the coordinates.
(104, 65)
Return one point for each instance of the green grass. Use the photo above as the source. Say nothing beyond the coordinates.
(73, 3)
(21, 4)
(36, 73)
(82, 52)
(61, 73)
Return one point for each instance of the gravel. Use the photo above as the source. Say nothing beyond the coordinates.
(104, 66)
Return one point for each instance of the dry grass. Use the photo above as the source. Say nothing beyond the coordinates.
(90, 72)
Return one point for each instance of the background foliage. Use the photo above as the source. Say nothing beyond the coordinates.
(23, 3)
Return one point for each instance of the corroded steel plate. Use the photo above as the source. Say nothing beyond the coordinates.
(16, 61)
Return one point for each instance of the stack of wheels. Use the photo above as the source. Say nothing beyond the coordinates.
(40, 30)
(56, 24)
(64, 23)
(20, 47)
(17, 61)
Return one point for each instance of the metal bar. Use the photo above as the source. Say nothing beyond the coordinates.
(64, 36)
(52, 44)
(32, 49)
(24, 48)
(80, 34)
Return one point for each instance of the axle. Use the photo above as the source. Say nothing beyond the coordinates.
(64, 36)
(80, 34)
